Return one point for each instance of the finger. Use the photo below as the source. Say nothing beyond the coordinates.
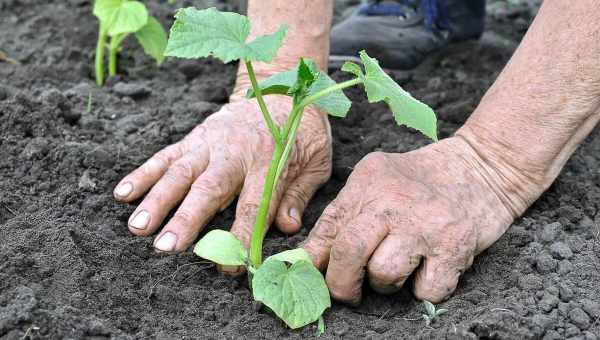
(248, 205)
(168, 192)
(135, 184)
(321, 237)
(349, 255)
(216, 186)
(393, 262)
(296, 197)
(438, 277)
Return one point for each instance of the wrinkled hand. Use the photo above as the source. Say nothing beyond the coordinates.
(429, 211)
(228, 154)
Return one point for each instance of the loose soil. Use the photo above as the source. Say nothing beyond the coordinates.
(69, 269)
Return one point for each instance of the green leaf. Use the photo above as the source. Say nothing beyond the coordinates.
(336, 103)
(353, 68)
(200, 33)
(153, 39)
(297, 294)
(429, 307)
(320, 326)
(406, 109)
(119, 16)
(292, 256)
(441, 311)
(221, 247)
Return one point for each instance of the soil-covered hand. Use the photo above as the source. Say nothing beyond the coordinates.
(429, 211)
(228, 154)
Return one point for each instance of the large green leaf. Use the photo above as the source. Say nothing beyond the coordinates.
(287, 83)
(221, 247)
(200, 33)
(406, 109)
(297, 294)
(153, 39)
(121, 16)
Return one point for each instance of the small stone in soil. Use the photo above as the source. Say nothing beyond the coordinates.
(545, 263)
(565, 293)
(561, 250)
(591, 307)
(542, 321)
(548, 302)
(132, 90)
(579, 318)
(550, 231)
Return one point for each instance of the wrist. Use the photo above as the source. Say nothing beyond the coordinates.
(515, 184)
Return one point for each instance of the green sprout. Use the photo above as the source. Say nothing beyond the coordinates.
(288, 283)
(432, 312)
(117, 20)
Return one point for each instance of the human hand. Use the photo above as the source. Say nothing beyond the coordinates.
(430, 211)
(228, 154)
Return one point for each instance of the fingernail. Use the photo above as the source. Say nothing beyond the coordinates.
(124, 189)
(295, 215)
(166, 242)
(141, 220)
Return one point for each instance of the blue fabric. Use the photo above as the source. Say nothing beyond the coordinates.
(375, 8)
(430, 9)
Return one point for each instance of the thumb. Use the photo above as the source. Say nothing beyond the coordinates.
(296, 197)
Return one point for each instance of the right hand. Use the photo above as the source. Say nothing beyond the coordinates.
(228, 154)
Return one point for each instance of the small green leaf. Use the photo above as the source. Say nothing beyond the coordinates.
(119, 16)
(292, 256)
(297, 294)
(221, 247)
(406, 109)
(320, 327)
(353, 68)
(200, 33)
(153, 39)
(429, 307)
(336, 103)
(278, 83)
(441, 311)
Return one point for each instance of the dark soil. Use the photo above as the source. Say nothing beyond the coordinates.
(69, 269)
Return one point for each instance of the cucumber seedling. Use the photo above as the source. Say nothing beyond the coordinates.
(117, 20)
(287, 283)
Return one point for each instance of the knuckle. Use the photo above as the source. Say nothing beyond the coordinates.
(297, 193)
(181, 170)
(348, 247)
(211, 186)
(183, 218)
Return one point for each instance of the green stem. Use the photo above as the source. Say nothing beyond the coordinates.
(258, 232)
(100, 45)
(261, 103)
(283, 148)
(113, 51)
(312, 98)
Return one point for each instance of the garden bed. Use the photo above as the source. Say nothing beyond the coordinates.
(69, 268)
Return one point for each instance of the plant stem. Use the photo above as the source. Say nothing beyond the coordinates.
(258, 232)
(261, 103)
(113, 49)
(283, 148)
(311, 99)
(100, 55)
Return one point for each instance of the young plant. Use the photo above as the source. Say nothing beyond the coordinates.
(287, 283)
(117, 20)
(432, 312)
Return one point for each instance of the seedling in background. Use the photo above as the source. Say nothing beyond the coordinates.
(432, 312)
(287, 283)
(117, 20)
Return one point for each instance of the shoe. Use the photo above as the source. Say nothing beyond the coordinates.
(402, 33)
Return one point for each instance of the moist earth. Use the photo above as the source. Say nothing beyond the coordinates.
(69, 268)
